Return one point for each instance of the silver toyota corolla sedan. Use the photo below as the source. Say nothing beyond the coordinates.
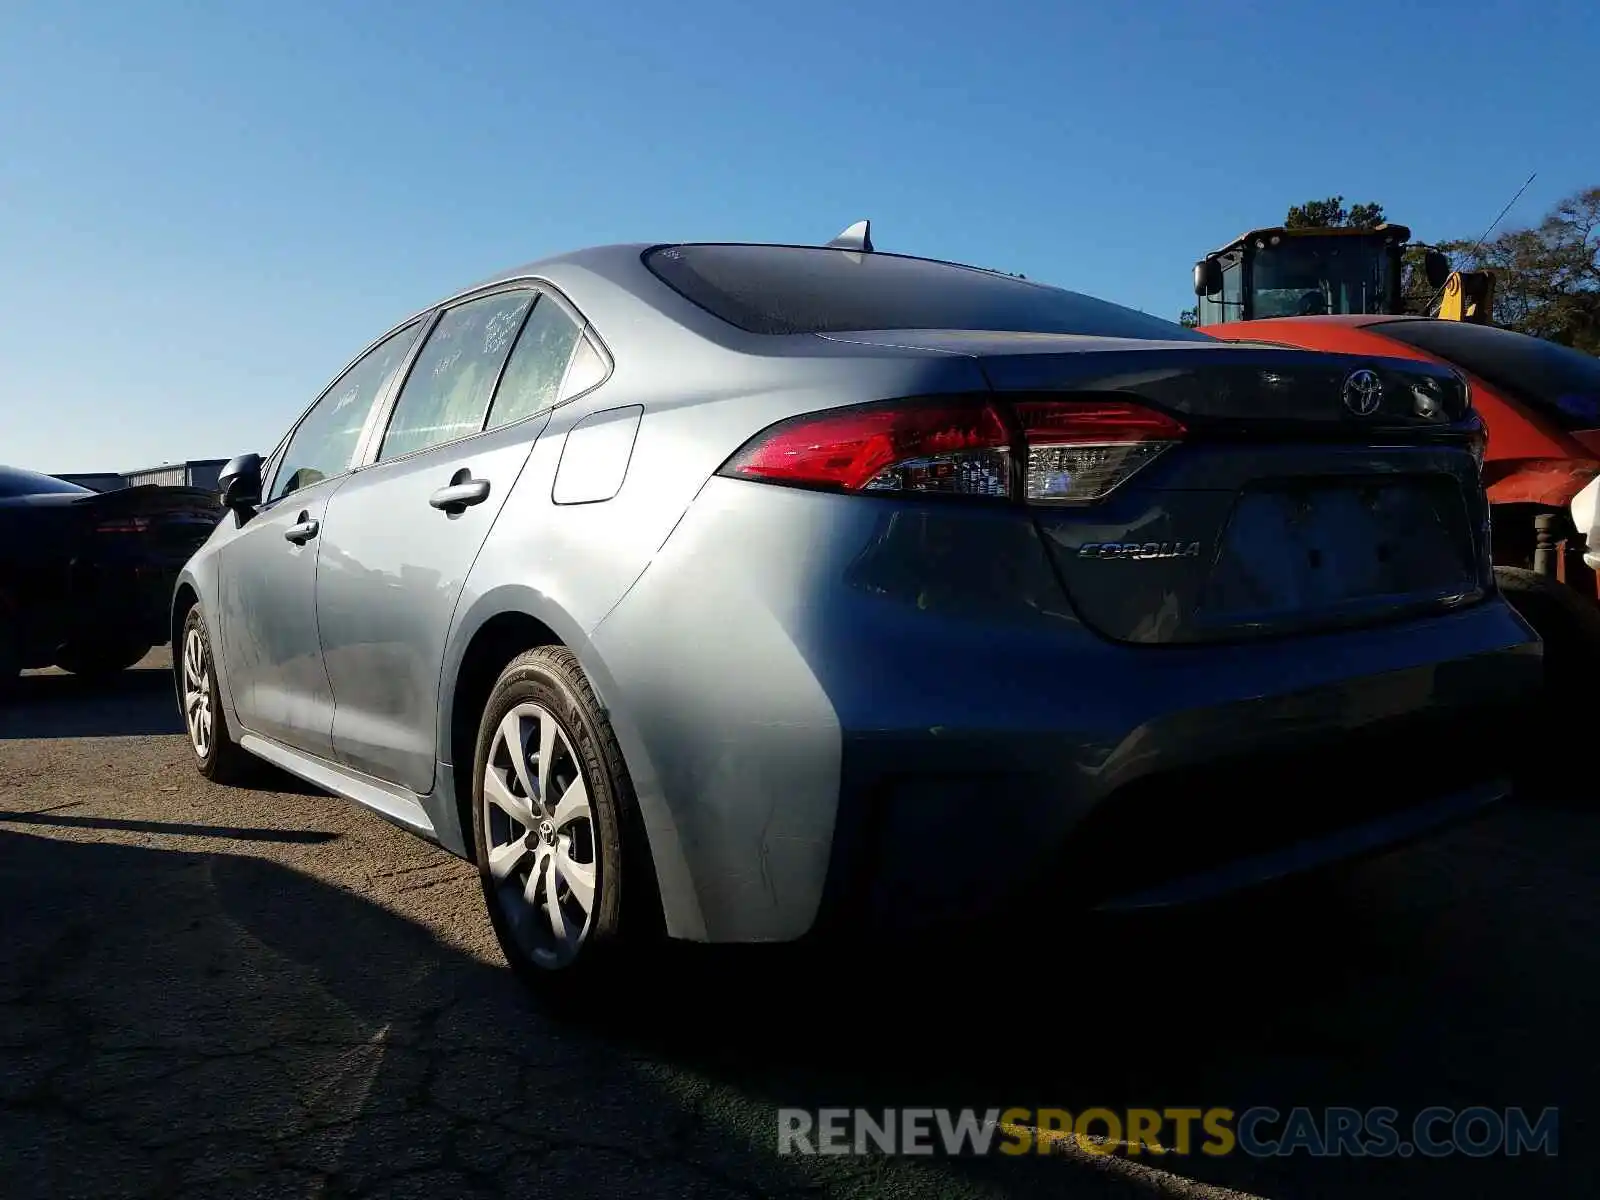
(756, 593)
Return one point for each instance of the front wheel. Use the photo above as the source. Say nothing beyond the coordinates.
(218, 757)
(561, 855)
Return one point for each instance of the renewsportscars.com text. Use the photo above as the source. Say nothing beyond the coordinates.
(1259, 1132)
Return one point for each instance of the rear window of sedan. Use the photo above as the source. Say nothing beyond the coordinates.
(811, 289)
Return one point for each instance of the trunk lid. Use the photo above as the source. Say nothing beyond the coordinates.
(1309, 491)
(158, 524)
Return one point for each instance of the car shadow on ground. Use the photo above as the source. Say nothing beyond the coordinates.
(206, 1021)
(138, 702)
(1416, 980)
(133, 703)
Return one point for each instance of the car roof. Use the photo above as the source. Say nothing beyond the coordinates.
(602, 259)
(621, 259)
(21, 477)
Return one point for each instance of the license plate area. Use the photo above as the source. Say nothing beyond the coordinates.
(1323, 548)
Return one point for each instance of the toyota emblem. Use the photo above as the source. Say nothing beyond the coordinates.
(1363, 392)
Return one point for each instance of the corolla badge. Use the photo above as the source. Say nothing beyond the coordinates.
(1140, 551)
(1363, 392)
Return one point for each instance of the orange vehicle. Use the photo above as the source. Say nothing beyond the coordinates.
(1339, 290)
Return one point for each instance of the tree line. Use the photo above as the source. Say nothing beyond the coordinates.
(1547, 276)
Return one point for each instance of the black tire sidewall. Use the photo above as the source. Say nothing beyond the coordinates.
(101, 660)
(10, 651)
(551, 679)
(1566, 621)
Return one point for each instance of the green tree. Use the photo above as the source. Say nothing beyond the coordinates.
(1189, 318)
(1332, 214)
(1547, 277)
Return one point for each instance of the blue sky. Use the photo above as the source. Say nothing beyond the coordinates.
(206, 208)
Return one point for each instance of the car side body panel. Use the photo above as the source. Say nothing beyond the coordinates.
(388, 580)
(267, 627)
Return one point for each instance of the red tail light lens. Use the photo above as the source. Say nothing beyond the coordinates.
(123, 525)
(1076, 450)
(954, 449)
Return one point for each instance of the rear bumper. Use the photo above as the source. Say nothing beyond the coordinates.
(1190, 805)
(850, 716)
(1342, 844)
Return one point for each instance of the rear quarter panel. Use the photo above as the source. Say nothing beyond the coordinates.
(568, 565)
(696, 403)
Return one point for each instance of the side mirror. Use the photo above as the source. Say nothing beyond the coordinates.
(1436, 267)
(240, 484)
(1207, 277)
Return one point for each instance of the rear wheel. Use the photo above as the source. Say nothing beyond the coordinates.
(100, 660)
(10, 654)
(561, 855)
(217, 755)
(1569, 625)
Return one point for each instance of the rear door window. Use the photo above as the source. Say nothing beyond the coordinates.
(447, 394)
(1561, 384)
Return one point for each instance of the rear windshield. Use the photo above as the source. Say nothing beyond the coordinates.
(808, 289)
(17, 482)
(1562, 384)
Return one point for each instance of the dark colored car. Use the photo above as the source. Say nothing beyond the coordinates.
(86, 577)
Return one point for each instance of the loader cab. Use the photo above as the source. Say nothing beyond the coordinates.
(1283, 272)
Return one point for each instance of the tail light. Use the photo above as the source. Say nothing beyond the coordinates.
(123, 525)
(1043, 451)
(1081, 450)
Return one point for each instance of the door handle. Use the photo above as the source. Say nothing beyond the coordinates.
(303, 531)
(459, 495)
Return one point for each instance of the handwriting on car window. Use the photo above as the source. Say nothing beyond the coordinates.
(502, 325)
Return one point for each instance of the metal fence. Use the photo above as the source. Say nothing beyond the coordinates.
(197, 472)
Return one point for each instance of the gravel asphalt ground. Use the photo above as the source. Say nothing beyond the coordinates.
(217, 992)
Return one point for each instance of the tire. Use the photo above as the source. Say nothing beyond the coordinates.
(1569, 625)
(217, 756)
(99, 660)
(543, 702)
(10, 655)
